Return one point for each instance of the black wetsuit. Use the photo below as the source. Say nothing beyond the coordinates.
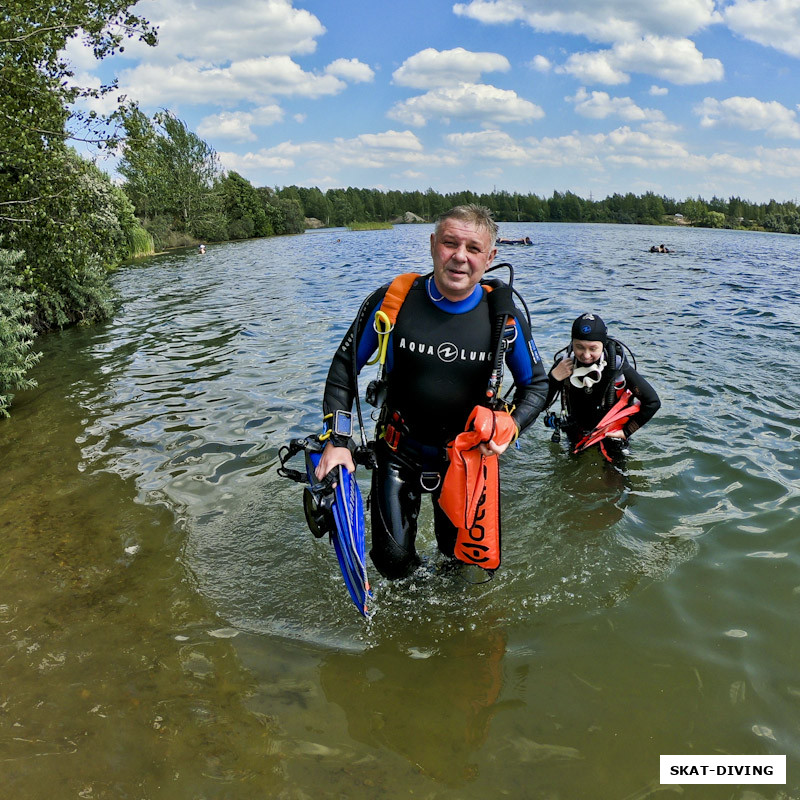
(439, 361)
(585, 408)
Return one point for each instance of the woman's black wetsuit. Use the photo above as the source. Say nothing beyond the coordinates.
(584, 408)
(439, 361)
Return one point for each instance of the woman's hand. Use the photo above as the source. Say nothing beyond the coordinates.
(563, 369)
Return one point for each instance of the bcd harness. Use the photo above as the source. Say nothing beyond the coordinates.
(502, 311)
(471, 491)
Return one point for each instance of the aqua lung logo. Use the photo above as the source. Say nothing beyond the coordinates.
(446, 351)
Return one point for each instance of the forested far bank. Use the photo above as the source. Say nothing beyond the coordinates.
(182, 196)
(340, 207)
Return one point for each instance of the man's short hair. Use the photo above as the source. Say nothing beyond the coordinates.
(479, 216)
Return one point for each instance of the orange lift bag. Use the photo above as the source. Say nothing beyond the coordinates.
(471, 489)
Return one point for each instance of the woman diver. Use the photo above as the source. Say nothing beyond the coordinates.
(591, 374)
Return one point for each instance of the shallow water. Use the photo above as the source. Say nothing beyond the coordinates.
(170, 629)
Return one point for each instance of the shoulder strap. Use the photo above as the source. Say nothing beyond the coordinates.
(502, 312)
(386, 314)
(396, 295)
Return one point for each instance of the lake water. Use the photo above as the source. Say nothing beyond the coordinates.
(170, 628)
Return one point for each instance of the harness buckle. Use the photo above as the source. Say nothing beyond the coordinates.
(394, 431)
(392, 437)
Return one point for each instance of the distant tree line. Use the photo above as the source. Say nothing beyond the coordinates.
(340, 207)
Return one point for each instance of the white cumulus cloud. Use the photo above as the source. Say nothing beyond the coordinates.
(237, 29)
(432, 68)
(253, 80)
(781, 162)
(773, 23)
(254, 163)
(595, 68)
(674, 60)
(351, 69)
(590, 152)
(750, 113)
(391, 140)
(599, 105)
(467, 101)
(384, 150)
(540, 64)
(238, 125)
(493, 144)
(233, 55)
(600, 20)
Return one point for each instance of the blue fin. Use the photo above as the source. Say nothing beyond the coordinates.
(348, 538)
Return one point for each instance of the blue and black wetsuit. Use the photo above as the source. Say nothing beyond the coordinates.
(439, 362)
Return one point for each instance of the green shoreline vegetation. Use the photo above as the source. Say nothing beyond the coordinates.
(370, 226)
(65, 225)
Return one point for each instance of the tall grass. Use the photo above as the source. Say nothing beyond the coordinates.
(141, 243)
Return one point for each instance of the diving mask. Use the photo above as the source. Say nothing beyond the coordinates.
(318, 506)
(588, 376)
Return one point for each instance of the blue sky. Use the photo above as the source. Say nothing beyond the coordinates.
(679, 97)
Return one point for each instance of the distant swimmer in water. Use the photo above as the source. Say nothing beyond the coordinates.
(660, 249)
(201, 249)
(503, 240)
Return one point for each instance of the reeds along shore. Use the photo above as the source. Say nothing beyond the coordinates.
(370, 226)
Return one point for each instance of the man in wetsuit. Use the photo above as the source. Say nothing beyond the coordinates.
(587, 374)
(439, 363)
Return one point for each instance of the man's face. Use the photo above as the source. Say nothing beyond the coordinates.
(461, 254)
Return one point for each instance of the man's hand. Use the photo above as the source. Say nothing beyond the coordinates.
(333, 457)
(490, 448)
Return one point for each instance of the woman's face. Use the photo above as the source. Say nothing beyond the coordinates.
(587, 352)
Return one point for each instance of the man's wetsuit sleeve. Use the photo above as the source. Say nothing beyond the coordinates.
(553, 386)
(358, 344)
(530, 378)
(647, 396)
